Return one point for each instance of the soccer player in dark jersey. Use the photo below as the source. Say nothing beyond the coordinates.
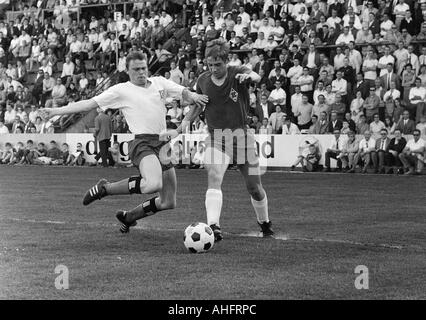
(228, 141)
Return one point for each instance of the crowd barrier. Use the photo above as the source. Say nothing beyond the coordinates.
(275, 151)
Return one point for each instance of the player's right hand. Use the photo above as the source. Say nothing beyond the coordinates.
(46, 113)
(168, 135)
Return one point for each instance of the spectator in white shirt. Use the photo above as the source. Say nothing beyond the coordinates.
(366, 146)
(278, 95)
(260, 42)
(345, 37)
(175, 74)
(289, 127)
(384, 60)
(414, 154)
(335, 150)
(386, 25)
(417, 98)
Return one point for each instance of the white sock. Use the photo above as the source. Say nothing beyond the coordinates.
(213, 206)
(261, 209)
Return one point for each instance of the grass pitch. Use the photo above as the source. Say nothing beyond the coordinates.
(327, 224)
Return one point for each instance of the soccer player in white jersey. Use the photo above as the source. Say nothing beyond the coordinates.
(142, 101)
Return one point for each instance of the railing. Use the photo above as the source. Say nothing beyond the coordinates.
(72, 119)
(334, 46)
(11, 14)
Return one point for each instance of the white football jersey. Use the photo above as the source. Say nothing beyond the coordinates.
(143, 108)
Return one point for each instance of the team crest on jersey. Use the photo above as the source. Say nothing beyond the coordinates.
(233, 95)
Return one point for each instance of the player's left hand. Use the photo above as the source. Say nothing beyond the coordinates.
(242, 77)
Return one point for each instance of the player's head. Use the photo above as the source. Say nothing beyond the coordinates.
(217, 56)
(137, 68)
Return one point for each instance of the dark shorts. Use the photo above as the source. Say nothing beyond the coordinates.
(240, 148)
(146, 144)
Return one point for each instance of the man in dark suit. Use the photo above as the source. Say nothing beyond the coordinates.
(373, 24)
(381, 156)
(275, 10)
(224, 33)
(264, 106)
(361, 86)
(390, 77)
(261, 64)
(321, 126)
(334, 124)
(406, 125)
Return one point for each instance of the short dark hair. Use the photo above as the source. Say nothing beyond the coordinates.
(217, 49)
(135, 55)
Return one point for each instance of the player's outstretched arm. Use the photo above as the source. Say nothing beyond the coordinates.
(75, 107)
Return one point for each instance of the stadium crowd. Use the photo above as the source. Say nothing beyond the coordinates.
(339, 67)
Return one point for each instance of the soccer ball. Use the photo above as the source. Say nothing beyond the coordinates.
(198, 238)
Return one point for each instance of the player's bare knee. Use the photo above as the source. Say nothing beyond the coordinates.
(152, 185)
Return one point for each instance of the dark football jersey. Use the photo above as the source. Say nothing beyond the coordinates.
(228, 103)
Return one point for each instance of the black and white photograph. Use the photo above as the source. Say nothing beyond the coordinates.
(212, 155)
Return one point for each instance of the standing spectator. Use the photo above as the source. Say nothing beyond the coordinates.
(413, 155)
(103, 132)
(371, 105)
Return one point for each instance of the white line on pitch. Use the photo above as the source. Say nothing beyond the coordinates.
(278, 236)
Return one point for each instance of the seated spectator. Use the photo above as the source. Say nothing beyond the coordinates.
(289, 127)
(77, 158)
(376, 126)
(18, 156)
(366, 146)
(381, 156)
(349, 152)
(396, 146)
(334, 151)
(309, 160)
(265, 128)
(50, 156)
(413, 154)
(3, 128)
(7, 154)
